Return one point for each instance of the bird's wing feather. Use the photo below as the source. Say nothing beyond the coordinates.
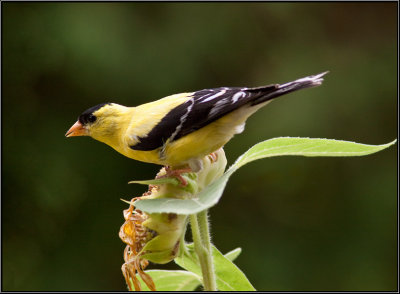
(203, 107)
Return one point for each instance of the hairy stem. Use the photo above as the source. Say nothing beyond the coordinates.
(202, 247)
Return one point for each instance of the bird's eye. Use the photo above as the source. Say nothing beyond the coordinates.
(92, 118)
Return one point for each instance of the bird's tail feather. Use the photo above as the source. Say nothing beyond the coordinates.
(273, 91)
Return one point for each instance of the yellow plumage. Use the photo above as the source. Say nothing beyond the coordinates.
(215, 135)
(180, 129)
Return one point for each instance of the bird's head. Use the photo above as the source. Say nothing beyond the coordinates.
(100, 122)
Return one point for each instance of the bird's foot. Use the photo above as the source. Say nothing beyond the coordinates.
(213, 157)
(177, 173)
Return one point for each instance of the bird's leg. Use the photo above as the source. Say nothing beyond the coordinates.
(177, 173)
(194, 165)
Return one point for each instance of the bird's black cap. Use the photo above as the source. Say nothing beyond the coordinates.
(87, 116)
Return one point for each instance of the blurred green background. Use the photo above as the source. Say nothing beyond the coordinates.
(303, 223)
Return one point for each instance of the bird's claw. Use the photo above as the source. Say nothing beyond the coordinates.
(176, 173)
(213, 157)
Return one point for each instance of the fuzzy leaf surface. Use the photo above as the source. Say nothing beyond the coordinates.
(306, 147)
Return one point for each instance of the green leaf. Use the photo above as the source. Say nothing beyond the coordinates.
(172, 280)
(172, 181)
(306, 147)
(205, 200)
(269, 148)
(232, 255)
(228, 276)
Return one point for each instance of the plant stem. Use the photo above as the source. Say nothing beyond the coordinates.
(202, 247)
(206, 238)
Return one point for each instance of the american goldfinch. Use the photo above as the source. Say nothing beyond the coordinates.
(179, 130)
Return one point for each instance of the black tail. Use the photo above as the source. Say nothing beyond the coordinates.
(272, 91)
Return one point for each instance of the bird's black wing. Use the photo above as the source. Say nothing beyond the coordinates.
(206, 106)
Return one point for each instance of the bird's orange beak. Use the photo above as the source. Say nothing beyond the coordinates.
(76, 130)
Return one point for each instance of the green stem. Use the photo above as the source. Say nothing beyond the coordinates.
(202, 247)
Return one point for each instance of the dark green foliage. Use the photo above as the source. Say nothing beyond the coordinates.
(60, 197)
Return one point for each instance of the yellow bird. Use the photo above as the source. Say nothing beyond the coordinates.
(178, 130)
